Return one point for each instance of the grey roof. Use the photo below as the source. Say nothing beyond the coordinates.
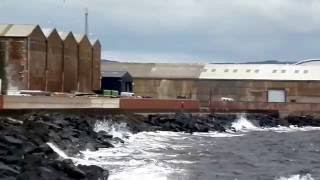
(114, 73)
(156, 70)
(10, 30)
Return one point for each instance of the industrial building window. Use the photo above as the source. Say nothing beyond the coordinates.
(257, 71)
(235, 70)
(248, 70)
(305, 71)
(213, 70)
(283, 71)
(274, 71)
(296, 71)
(226, 70)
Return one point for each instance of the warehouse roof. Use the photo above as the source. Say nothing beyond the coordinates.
(260, 72)
(156, 70)
(117, 74)
(13, 30)
(309, 62)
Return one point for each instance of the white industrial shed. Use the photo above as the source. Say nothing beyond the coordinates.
(272, 72)
(298, 83)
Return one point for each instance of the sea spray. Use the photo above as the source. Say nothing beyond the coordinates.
(115, 129)
(243, 124)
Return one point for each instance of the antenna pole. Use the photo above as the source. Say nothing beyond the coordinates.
(86, 22)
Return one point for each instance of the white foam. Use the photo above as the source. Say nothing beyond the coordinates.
(58, 151)
(283, 129)
(243, 124)
(297, 177)
(146, 172)
(218, 134)
(119, 130)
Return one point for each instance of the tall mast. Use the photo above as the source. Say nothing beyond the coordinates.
(86, 30)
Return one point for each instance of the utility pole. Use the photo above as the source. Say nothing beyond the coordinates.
(86, 28)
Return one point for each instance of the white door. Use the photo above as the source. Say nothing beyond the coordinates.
(276, 96)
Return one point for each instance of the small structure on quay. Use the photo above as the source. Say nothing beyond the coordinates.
(120, 81)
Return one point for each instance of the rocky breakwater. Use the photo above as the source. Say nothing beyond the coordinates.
(300, 121)
(206, 122)
(25, 153)
(26, 139)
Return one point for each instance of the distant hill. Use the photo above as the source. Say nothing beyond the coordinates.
(254, 62)
(107, 61)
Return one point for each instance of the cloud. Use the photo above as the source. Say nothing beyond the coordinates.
(188, 30)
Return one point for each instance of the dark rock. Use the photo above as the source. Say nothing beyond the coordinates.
(11, 159)
(94, 172)
(103, 134)
(71, 170)
(263, 120)
(11, 140)
(303, 121)
(6, 170)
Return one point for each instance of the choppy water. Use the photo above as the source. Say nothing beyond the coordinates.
(250, 153)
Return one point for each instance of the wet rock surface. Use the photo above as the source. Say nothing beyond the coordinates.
(185, 123)
(300, 121)
(206, 122)
(25, 154)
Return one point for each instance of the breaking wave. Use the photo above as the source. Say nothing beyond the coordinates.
(162, 155)
(297, 177)
(243, 124)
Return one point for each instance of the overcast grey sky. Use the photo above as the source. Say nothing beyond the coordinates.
(183, 30)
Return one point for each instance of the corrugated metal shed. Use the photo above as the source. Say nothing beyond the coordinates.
(157, 70)
(96, 61)
(85, 63)
(70, 62)
(54, 61)
(37, 57)
(261, 72)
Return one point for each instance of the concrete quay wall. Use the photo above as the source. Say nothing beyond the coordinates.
(98, 103)
(47, 102)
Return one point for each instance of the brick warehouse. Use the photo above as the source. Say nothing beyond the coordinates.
(32, 58)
